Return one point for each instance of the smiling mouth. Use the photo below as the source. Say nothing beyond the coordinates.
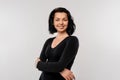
(61, 27)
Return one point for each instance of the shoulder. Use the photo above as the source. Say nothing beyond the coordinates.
(73, 38)
(73, 41)
(49, 39)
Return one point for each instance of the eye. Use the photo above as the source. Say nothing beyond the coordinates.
(56, 19)
(65, 19)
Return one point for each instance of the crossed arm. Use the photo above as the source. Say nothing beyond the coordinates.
(68, 55)
(66, 73)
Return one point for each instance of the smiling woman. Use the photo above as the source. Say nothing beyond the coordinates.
(59, 52)
(60, 21)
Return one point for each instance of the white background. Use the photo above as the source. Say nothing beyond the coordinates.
(24, 29)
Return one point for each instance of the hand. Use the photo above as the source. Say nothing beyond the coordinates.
(67, 74)
(36, 61)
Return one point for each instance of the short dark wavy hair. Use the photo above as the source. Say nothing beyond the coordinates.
(71, 25)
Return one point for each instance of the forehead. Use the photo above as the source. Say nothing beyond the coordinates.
(60, 15)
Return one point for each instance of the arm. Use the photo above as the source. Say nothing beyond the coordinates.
(68, 55)
(42, 54)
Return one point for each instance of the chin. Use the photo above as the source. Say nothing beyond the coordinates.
(61, 31)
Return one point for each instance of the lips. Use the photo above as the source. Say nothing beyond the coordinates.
(61, 27)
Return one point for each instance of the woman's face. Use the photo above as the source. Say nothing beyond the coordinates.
(60, 21)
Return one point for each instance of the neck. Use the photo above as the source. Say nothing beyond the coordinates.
(61, 35)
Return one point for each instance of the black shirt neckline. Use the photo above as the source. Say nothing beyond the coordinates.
(57, 44)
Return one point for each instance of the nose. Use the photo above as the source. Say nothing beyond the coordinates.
(61, 22)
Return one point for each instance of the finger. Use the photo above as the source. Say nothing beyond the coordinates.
(66, 78)
(37, 58)
(73, 76)
(69, 78)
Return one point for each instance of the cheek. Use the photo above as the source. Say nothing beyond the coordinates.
(55, 24)
(66, 23)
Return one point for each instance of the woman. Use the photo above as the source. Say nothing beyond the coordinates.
(58, 53)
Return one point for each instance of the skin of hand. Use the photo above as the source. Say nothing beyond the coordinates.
(36, 61)
(67, 74)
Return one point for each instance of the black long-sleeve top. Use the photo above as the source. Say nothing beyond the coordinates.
(60, 57)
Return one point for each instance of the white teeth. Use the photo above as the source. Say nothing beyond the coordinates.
(60, 27)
